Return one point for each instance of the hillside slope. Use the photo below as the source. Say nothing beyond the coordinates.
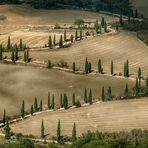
(110, 116)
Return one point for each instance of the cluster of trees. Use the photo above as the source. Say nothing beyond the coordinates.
(9, 1)
(134, 139)
(14, 51)
(63, 38)
(122, 7)
(59, 136)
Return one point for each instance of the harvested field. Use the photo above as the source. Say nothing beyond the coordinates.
(18, 83)
(26, 15)
(117, 47)
(109, 116)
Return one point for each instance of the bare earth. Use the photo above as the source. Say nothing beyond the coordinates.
(109, 116)
(25, 83)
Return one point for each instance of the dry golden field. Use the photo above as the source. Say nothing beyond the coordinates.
(25, 83)
(109, 116)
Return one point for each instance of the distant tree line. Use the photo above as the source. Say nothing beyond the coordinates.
(115, 6)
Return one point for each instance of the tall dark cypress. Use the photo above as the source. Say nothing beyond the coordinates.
(65, 35)
(99, 66)
(73, 99)
(49, 101)
(61, 42)
(35, 105)
(85, 96)
(103, 94)
(74, 133)
(31, 110)
(53, 103)
(4, 117)
(42, 129)
(7, 130)
(59, 132)
(90, 97)
(23, 109)
(86, 66)
(65, 102)
(112, 68)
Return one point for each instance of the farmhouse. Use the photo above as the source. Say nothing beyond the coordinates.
(89, 22)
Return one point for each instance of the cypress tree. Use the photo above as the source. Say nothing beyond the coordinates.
(71, 38)
(81, 34)
(73, 99)
(137, 87)
(23, 110)
(1, 52)
(90, 97)
(59, 132)
(102, 22)
(74, 134)
(86, 66)
(99, 66)
(126, 91)
(97, 27)
(127, 68)
(65, 102)
(76, 35)
(50, 42)
(109, 92)
(49, 102)
(9, 44)
(4, 117)
(42, 129)
(31, 110)
(103, 94)
(25, 56)
(105, 27)
(52, 104)
(139, 73)
(89, 67)
(74, 67)
(61, 101)
(121, 20)
(7, 130)
(16, 53)
(65, 36)
(21, 44)
(13, 55)
(61, 42)
(112, 68)
(41, 106)
(85, 96)
(35, 105)
(54, 40)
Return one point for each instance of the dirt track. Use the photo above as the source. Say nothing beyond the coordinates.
(109, 116)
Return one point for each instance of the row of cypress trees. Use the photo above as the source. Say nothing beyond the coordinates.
(63, 38)
(59, 136)
(138, 91)
(14, 53)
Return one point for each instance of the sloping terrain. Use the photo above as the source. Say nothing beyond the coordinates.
(25, 83)
(117, 47)
(109, 116)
